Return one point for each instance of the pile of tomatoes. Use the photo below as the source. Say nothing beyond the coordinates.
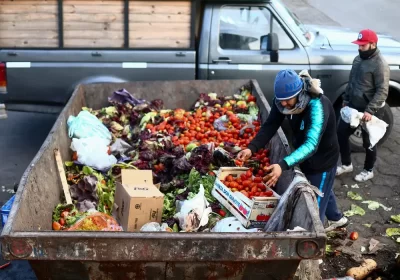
(197, 126)
(247, 184)
(259, 163)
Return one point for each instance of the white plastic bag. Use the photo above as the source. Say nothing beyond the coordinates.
(93, 152)
(86, 125)
(231, 224)
(193, 213)
(375, 128)
(154, 226)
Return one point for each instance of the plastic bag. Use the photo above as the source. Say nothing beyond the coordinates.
(96, 222)
(231, 224)
(282, 215)
(376, 128)
(120, 147)
(93, 152)
(193, 213)
(219, 124)
(86, 125)
(154, 226)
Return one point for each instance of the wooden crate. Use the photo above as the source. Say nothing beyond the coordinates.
(93, 23)
(32, 23)
(162, 24)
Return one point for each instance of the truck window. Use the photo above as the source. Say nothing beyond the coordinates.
(285, 43)
(241, 27)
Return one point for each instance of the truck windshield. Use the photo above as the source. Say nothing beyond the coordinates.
(292, 20)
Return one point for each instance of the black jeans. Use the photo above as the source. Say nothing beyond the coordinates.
(344, 133)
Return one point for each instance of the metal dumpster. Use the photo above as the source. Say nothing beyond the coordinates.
(127, 255)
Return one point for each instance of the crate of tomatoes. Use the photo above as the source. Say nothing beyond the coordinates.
(245, 196)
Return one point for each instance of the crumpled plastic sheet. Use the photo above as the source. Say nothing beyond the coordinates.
(281, 217)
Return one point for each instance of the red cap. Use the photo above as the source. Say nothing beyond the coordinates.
(366, 36)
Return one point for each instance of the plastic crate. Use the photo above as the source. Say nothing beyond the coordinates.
(5, 210)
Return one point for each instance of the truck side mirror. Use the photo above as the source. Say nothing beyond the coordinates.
(270, 43)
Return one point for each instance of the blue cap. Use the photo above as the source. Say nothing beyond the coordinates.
(287, 85)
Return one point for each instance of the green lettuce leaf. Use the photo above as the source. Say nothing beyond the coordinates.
(355, 210)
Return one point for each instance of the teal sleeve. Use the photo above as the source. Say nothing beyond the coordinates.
(318, 121)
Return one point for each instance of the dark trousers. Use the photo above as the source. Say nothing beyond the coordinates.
(327, 204)
(344, 132)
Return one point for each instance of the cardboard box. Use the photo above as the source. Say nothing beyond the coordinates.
(138, 201)
(252, 213)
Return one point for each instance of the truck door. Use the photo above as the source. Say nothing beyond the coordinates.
(238, 47)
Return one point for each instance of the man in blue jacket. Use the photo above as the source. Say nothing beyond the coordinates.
(312, 119)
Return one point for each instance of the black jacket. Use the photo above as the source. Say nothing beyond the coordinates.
(368, 85)
(314, 132)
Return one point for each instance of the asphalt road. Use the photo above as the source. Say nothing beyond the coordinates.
(21, 136)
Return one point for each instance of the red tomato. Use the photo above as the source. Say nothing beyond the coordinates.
(269, 193)
(260, 186)
(254, 189)
(246, 183)
(249, 174)
(257, 179)
(229, 178)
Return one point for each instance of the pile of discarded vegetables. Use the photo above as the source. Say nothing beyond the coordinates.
(182, 148)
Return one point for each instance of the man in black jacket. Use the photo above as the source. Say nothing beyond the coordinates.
(312, 119)
(366, 92)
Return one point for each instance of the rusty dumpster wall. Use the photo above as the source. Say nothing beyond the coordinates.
(272, 270)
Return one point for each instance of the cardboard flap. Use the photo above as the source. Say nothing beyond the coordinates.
(136, 177)
(142, 190)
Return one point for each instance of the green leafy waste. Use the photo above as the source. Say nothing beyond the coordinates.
(355, 210)
(395, 218)
(392, 231)
(354, 195)
(373, 205)
(192, 187)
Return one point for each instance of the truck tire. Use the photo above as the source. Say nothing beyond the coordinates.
(356, 142)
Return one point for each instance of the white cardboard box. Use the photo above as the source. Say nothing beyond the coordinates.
(252, 213)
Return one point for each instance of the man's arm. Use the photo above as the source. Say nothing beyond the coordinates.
(381, 78)
(318, 122)
(346, 95)
(267, 130)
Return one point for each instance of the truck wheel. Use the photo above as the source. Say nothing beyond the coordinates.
(356, 142)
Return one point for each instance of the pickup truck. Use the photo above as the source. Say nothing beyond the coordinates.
(120, 41)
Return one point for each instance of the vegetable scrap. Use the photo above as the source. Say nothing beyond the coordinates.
(392, 231)
(354, 196)
(373, 205)
(181, 147)
(366, 267)
(355, 210)
(395, 218)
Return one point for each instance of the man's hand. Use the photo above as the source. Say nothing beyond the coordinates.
(244, 155)
(272, 178)
(367, 117)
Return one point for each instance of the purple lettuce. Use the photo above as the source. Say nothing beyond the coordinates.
(123, 96)
(85, 190)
